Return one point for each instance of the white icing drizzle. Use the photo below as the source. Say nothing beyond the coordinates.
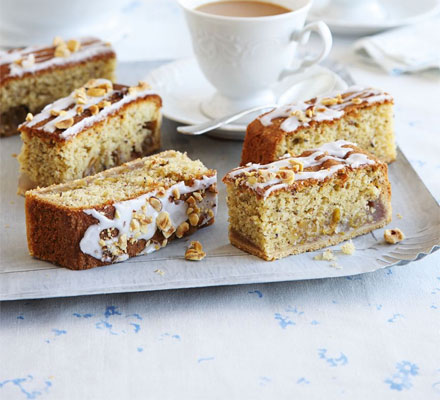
(64, 103)
(329, 151)
(322, 112)
(89, 244)
(87, 50)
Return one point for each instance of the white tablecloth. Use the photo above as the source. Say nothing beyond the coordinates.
(363, 337)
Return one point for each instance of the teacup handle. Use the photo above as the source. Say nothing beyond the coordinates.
(302, 37)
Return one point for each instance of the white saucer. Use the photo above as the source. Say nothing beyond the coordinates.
(183, 87)
(398, 13)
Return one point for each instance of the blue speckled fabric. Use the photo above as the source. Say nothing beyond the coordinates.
(363, 337)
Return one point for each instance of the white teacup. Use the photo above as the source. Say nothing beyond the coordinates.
(244, 57)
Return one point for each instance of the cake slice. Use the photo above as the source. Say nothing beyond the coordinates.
(304, 203)
(98, 126)
(34, 76)
(360, 115)
(129, 210)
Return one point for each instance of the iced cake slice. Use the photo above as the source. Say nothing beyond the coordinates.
(98, 126)
(34, 76)
(304, 203)
(360, 115)
(123, 212)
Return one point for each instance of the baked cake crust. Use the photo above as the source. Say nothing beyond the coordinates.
(296, 127)
(82, 234)
(297, 204)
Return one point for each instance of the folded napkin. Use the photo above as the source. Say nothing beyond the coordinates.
(410, 49)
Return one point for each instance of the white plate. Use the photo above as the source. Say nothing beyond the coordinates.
(183, 87)
(400, 12)
(23, 277)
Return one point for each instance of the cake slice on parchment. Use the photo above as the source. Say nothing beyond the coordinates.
(98, 126)
(129, 210)
(32, 77)
(297, 204)
(360, 115)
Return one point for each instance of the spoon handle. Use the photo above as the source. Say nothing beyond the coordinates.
(214, 124)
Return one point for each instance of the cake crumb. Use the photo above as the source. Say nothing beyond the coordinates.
(14, 155)
(348, 248)
(159, 272)
(7, 226)
(195, 251)
(326, 256)
(399, 216)
(393, 236)
(335, 265)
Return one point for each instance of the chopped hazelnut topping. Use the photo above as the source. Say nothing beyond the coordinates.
(213, 188)
(95, 92)
(62, 51)
(123, 242)
(198, 196)
(288, 176)
(29, 117)
(145, 219)
(310, 112)
(252, 180)
(64, 124)
(155, 203)
(163, 221)
(348, 248)
(356, 100)
(393, 236)
(329, 101)
(176, 194)
(326, 256)
(182, 229)
(210, 213)
(297, 165)
(134, 225)
(57, 40)
(141, 86)
(79, 109)
(26, 62)
(189, 210)
(169, 232)
(193, 219)
(160, 192)
(191, 201)
(195, 252)
(104, 103)
(94, 109)
(56, 113)
(73, 45)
